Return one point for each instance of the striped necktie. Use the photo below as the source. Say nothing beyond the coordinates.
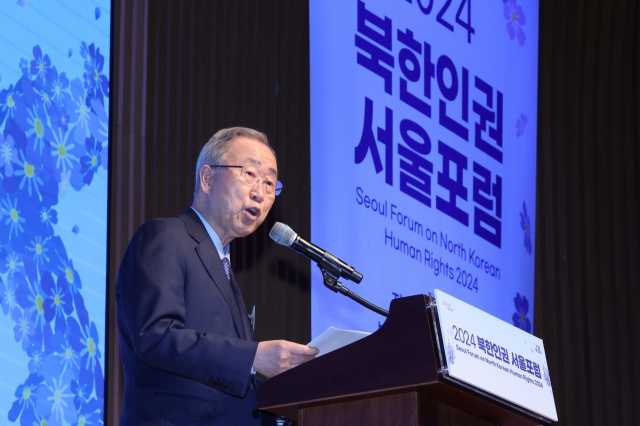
(227, 267)
(236, 294)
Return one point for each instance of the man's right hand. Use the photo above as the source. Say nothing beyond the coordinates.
(276, 356)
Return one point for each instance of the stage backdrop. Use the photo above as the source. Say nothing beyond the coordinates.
(54, 92)
(423, 152)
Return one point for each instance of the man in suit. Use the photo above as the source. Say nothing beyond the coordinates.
(185, 338)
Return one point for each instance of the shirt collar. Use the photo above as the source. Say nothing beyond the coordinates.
(222, 251)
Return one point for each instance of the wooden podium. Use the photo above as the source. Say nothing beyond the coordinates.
(394, 376)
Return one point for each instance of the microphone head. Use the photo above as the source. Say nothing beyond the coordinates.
(282, 234)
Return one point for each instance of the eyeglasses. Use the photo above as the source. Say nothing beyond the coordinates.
(250, 176)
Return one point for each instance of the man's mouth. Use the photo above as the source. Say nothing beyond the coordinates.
(253, 211)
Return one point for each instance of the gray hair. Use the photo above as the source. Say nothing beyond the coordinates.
(215, 150)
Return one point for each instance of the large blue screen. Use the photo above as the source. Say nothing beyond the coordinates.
(423, 152)
(54, 99)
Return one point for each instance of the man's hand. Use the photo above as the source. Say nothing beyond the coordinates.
(276, 356)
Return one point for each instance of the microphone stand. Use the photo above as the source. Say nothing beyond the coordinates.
(330, 275)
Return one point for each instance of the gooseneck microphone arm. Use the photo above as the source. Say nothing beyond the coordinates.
(331, 267)
(336, 286)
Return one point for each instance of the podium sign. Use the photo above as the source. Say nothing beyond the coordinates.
(494, 356)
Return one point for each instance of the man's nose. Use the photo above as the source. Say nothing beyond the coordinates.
(257, 190)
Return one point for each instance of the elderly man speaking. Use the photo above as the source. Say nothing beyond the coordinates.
(185, 339)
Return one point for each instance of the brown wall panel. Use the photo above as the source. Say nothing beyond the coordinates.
(127, 184)
(181, 71)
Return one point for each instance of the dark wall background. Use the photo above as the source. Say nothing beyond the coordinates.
(183, 69)
(587, 238)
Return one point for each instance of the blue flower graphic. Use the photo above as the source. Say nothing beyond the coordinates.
(63, 266)
(91, 162)
(53, 136)
(25, 404)
(12, 265)
(79, 110)
(515, 20)
(59, 303)
(36, 356)
(37, 128)
(64, 183)
(60, 120)
(24, 65)
(68, 355)
(62, 150)
(28, 175)
(59, 87)
(525, 224)
(90, 413)
(34, 186)
(87, 339)
(31, 298)
(8, 155)
(80, 394)
(18, 143)
(40, 65)
(48, 218)
(11, 226)
(37, 247)
(95, 81)
(8, 295)
(520, 125)
(43, 97)
(32, 118)
(55, 400)
(39, 420)
(99, 128)
(451, 355)
(8, 103)
(50, 94)
(24, 330)
(40, 219)
(519, 318)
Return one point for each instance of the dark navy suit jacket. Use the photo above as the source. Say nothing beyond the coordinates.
(185, 339)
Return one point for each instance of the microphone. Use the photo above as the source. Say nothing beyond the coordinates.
(282, 234)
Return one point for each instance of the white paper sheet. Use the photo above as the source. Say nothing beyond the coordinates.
(334, 338)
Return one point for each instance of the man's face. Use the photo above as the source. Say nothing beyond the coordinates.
(234, 208)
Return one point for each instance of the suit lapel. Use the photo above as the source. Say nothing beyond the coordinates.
(208, 255)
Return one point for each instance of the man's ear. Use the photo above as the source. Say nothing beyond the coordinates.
(207, 177)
